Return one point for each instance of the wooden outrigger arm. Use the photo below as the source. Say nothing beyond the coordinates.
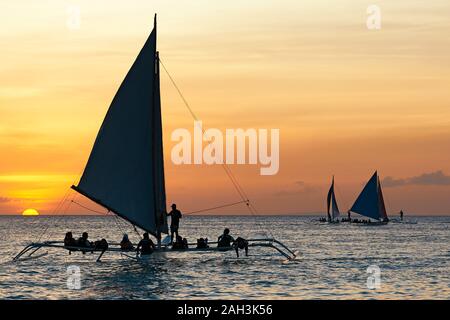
(33, 247)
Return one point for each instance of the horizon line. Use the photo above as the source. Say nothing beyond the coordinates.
(222, 214)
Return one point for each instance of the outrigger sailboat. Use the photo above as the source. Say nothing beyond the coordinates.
(370, 203)
(125, 170)
(332, 206)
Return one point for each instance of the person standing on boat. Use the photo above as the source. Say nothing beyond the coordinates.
(175, 215)
(146, 245)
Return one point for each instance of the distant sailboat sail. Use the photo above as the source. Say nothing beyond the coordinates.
(370, 202)
(383, 213)
(125, 170)
(332, 206)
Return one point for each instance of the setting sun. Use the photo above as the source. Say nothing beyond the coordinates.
(30, 212)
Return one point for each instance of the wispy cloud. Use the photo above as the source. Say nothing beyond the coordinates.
(14, 199)
(301, 187)
(4, 199)
(36, 178)
(437, 178)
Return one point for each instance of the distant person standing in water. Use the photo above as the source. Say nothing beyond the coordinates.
(401, 215)
(175, 215)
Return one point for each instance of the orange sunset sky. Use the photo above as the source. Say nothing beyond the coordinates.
(347, 100)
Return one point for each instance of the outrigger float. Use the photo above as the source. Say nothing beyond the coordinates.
(125, 170)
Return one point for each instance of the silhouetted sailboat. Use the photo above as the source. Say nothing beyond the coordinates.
(125, 170)
(370, 202)
(332, 206)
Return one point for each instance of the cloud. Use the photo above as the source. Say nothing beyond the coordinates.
(437, 178)
(284, 193)
(301, 188)
(4, 199)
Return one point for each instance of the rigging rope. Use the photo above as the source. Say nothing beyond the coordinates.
(117, 220)
(89, 209)
(227, 169)
(218, 207)
(63, 215)
(60, 205)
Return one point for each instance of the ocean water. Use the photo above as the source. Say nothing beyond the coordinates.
(413, 259)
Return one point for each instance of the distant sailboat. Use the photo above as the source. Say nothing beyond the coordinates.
(332, 206)
(370, 203)
(125, 170)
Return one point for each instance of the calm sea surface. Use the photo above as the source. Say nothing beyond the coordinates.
(414, 260)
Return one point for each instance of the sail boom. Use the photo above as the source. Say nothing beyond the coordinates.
(100, 203)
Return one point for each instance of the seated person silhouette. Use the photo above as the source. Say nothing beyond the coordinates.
(225, 240)
(101, 245)
(69, 241)
(125, 244)
(180, 243)
(145, 246)
(83, 242)
(202, 243)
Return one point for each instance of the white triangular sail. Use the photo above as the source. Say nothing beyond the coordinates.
(125, 170)
(332, 206)
(370, 202)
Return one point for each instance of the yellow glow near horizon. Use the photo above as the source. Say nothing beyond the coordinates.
(30, 212)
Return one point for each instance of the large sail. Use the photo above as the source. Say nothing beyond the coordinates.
(367, 203)
(125, 172)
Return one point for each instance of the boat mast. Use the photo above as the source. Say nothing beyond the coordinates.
(158, 214)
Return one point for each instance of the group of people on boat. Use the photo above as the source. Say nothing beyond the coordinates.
(83, 244)
(349, 219)
(146, 245)
(365, 221)
(226, 241)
